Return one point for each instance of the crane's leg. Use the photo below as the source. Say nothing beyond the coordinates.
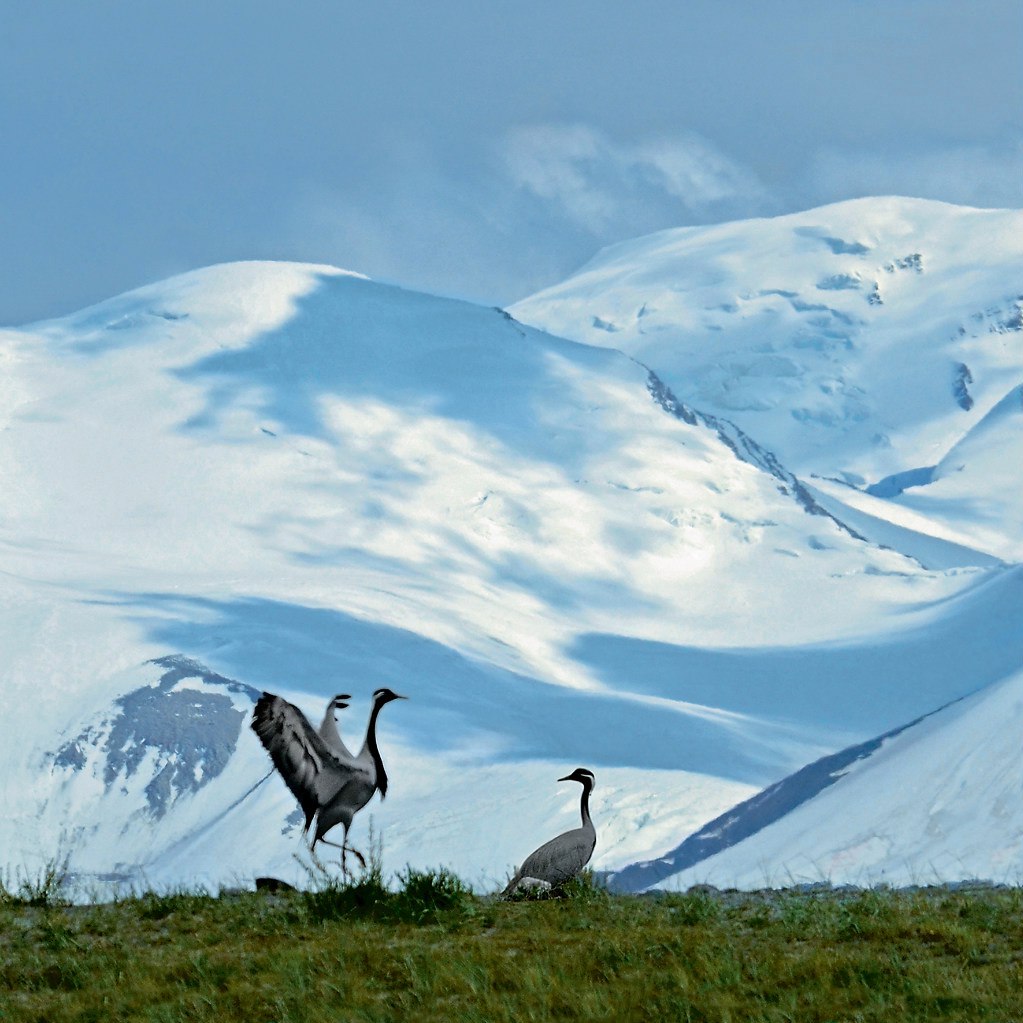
(345, 849)
(344, 869)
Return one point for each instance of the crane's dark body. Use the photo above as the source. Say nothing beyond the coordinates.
(562, 858)
(330, 784)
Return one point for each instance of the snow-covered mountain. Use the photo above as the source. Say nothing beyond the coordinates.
(935, 800)
(877, 347)
(289, 477)
(860, 342)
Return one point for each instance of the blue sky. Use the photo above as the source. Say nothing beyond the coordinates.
(481, 150)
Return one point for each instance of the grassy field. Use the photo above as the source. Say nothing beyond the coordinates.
(431, 950)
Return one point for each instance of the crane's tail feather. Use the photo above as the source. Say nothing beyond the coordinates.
(511, 886)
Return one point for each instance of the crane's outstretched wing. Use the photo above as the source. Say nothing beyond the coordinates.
(306, 764)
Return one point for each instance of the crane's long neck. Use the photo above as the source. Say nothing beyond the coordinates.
(370, 746)
(584, 804)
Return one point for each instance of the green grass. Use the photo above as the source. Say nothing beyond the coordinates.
(46, 888)
(431, 950)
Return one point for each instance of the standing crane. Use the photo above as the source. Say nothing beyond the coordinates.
(330, 788)
(562, 858)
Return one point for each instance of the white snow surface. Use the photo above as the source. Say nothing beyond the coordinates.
(847, 339)
(309, 482)
(940, 800)
(878, 341)
(977, 486)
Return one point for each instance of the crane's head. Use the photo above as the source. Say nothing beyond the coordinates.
(385, 695)
(582, 775)
(340, 701)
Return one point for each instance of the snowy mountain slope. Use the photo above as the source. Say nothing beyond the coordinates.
(288, 477)
(747, 818)
(857, 340)
(932, 542)
(939, 799)
(975, 488)
(877, 347)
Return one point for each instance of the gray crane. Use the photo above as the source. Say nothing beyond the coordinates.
(328, 726)
(561, 859)
(330, 787)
